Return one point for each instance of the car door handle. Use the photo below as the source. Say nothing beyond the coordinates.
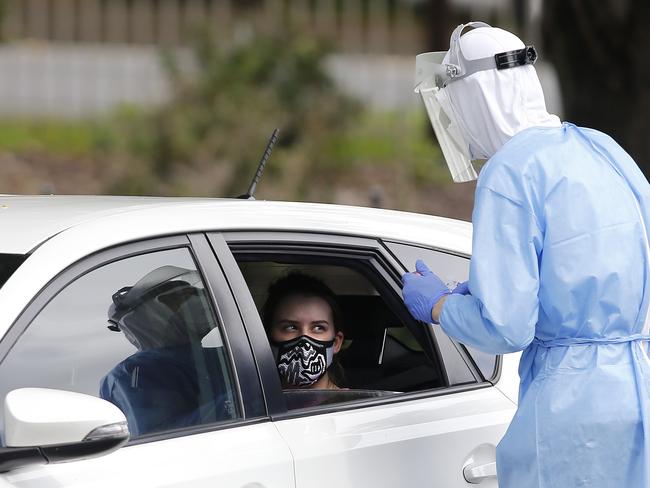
(477, 473)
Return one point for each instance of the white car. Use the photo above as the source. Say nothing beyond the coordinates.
(420, 409)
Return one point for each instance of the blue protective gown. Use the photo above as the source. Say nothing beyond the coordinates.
(559, 269)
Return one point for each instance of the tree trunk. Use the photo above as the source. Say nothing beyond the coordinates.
(600, 49)
(438, 24)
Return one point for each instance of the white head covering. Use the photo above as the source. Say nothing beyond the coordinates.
(493, 105)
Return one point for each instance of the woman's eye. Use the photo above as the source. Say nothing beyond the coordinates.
(290, 327)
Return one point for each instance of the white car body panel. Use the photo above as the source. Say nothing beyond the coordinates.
(432, 438)
(429, 439)
(39, 218)
(509, 381)
(253, 456)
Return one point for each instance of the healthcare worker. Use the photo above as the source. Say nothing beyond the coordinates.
(559, 266)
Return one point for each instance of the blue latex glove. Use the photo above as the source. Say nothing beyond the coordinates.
(462, 288)
(422, 290)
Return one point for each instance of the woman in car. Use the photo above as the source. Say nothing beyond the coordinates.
(302, 320)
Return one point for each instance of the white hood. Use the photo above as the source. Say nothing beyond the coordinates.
(493, 105)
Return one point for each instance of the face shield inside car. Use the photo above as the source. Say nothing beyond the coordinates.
(165, 308)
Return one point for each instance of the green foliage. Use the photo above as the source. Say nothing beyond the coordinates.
(64, 138)
(388, 139)
(226, 104)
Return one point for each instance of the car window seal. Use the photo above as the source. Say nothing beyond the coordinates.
(197, 429)
(381, 401)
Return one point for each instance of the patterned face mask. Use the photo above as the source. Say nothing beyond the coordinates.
(303, 361)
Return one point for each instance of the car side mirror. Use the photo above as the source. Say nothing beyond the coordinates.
(44, 426)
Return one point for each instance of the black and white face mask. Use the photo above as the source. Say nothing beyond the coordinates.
(303, 361)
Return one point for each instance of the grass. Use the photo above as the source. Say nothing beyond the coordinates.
(390, 139)
(382, 141)
(56, 137)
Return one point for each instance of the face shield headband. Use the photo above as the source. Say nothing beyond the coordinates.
(458, 67)
(433, 73)
(302, 361)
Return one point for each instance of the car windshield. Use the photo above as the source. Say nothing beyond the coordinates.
(8, 264)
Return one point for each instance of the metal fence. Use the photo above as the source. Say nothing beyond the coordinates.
(381, 26)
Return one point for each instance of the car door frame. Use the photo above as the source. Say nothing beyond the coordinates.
(244, 369)
(320, 244)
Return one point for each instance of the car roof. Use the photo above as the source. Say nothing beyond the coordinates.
(28, 221)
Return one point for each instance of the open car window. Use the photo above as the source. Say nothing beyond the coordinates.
(382, 354)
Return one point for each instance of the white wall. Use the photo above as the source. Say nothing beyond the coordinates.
(74, 81)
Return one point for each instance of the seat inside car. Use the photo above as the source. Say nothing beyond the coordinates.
(376, 358)
(379, 352)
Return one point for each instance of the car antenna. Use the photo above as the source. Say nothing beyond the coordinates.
(250, 194)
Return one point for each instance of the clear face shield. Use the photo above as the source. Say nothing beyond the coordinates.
(163, 309)
(434, 71)
(430, 79)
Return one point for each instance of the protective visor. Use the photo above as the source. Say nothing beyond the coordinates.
(430, 80)
(433, 73)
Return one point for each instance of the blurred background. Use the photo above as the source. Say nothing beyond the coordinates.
(179, 97)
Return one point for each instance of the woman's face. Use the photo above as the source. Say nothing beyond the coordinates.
(298, 315)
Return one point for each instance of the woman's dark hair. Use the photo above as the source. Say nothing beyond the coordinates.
(299, 284)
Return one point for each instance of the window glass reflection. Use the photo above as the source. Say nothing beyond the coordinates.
(138, 332)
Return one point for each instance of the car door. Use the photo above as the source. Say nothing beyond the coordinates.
(175, 358)
(435, 436)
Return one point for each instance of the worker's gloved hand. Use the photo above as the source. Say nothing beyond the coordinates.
(461, 289)
(422, 290)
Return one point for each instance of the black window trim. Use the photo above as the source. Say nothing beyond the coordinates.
(381, 401)
(17, 261)
(317, 243)
(232, 330)
(270, 383)
(246, 379)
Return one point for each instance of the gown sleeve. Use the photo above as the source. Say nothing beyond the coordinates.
(501, 313)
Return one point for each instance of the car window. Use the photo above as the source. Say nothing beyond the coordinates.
(451, 269)
(380, 354)
(139, 332)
